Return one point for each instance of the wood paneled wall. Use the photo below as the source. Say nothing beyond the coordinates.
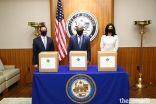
(103, 10)
(127, 58)
(21, 58)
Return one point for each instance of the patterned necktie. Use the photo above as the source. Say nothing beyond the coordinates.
(80, 42)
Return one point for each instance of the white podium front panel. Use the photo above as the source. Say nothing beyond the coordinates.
(48, 62)
(78, 60)
(107, 61)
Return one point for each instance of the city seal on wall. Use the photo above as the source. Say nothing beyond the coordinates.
(81, 88)
(84, 18)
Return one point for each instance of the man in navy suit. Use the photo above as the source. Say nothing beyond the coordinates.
(80, 42)
(41, 43)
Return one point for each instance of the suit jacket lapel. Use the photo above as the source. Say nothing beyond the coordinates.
(83, 41)
(47, 42)
(40, 39)
(76, 40)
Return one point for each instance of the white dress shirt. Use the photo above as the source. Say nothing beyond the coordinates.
(109, 43)
(78, 38)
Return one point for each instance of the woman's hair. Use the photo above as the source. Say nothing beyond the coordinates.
(106, 29)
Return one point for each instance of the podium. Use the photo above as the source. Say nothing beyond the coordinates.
(107, 61)
(78, 60)
(48, 62)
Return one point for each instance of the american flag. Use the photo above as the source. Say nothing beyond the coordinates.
(60, 31)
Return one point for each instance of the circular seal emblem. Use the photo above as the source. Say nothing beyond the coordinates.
(81, 88)
(84, 18)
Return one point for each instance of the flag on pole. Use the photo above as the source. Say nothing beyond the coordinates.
(60, 31)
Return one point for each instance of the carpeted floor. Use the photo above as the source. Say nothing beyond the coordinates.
(28, 101)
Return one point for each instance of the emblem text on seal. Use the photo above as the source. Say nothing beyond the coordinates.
(81, 88)
(84, 18)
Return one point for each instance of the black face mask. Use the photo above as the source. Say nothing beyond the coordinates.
(80, 32)
(43, 33)
(110, 30)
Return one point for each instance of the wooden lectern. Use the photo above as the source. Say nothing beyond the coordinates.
(48, 62)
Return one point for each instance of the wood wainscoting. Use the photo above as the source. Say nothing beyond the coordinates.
(22, 59)
(127, 58)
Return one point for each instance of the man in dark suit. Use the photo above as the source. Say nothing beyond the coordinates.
(41, 43)
(80, 42)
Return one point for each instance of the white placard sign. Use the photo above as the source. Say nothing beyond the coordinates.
(47, 63)
(107, 61)
(78, 61)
